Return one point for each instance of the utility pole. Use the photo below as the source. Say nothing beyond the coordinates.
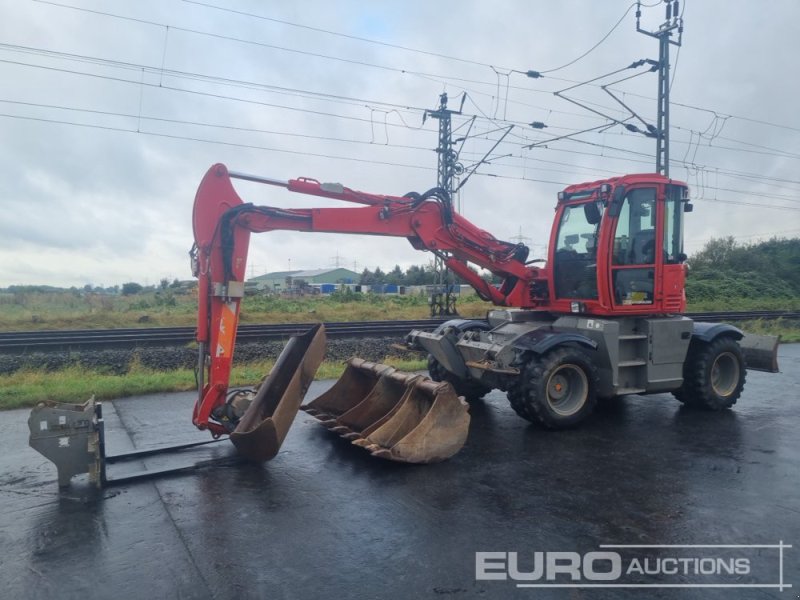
(521, 239)
(664, 35)
(443, 300)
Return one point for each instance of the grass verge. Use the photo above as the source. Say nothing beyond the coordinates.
(25, 388)
(77, 384)
(788, 329)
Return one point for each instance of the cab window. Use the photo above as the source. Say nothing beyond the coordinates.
(673, 226)
(634, 252)
(575, 270)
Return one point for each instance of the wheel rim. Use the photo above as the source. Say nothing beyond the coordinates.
(725, 374)
(567, 389)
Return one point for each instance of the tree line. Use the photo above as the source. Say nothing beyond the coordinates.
(414, 275)
(725, 269)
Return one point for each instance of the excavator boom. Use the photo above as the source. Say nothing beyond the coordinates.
(222, 225)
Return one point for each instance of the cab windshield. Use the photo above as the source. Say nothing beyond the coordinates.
(575, 265)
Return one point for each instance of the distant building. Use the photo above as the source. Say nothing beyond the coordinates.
(277, 281)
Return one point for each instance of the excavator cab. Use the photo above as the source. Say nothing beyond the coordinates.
(617, 247)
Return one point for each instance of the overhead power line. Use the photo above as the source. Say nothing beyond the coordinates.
(218, 142)
(593, 48)
(143, 117)
(436, 77)
(330, 156)
(440, 78)
(372, 121)
(336, 33)
(199, 93)
(214, 79)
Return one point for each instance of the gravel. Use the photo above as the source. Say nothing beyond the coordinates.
(119, 361)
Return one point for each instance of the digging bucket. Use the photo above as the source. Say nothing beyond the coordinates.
(355, 384)
(264, 425)
(430, 424)
(394, 415)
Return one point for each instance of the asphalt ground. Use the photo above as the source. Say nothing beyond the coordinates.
(326, 520)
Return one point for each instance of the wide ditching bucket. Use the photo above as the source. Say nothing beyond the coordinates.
(263, 427)
(393, 415)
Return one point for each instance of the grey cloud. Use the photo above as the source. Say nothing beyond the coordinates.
(119, 204)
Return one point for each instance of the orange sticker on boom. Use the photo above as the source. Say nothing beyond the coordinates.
(227, 326)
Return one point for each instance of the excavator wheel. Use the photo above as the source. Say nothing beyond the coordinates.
(469, 388)
(516, 397)
(557, 389)
(713, 375)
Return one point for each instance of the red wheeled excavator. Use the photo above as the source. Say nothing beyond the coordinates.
(600, 317)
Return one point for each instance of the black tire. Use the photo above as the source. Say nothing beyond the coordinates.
(469, 388)
(713, 375)
(558, 389)
(516, 397)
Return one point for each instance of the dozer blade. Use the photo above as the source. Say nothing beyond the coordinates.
(394, 415)
(760, 352)
(264, 425)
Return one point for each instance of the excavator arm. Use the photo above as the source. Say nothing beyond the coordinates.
(223, 222)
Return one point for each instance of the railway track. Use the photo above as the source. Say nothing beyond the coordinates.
(76, 339)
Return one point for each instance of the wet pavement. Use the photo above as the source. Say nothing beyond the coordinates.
(325, 520)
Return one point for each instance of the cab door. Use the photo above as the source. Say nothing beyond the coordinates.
(634, 257)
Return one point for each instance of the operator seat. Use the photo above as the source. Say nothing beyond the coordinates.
(643, 248)
(629, 283)
(568, 269)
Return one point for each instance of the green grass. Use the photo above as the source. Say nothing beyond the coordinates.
(26, 388)
(35, 310)
(788, 329)
(735, 304)
(81, 310)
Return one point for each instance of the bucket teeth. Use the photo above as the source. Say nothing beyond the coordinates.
(393, 415)
(379, 452)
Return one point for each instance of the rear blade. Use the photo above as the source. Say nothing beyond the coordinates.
(264, 425)
(760, 352)
(397, 416)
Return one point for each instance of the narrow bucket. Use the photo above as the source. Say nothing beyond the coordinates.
(264, 425)
(394, 415)
(760, 352)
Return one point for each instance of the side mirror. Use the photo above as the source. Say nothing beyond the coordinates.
(688, 207)
(616, 201)
(592, 213)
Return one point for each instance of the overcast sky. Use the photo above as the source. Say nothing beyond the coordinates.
(109, 123)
